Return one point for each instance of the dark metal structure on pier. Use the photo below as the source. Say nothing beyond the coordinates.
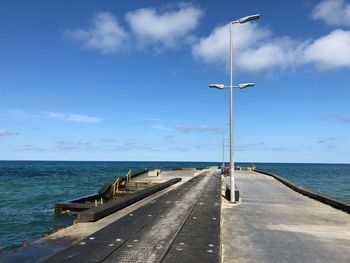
(108, 193)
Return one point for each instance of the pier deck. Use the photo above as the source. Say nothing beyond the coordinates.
(190, 222)
(163, 230)
(273, 223)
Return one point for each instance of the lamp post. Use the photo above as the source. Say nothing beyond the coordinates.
(240, 86)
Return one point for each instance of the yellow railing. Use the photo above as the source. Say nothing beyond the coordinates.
(116, 186)
(249, 168)
(96, 202)
(117, 182)
(128, 176)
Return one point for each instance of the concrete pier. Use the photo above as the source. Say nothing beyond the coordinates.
(191, 221)
(273, 223)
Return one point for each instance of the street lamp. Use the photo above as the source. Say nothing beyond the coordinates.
(240, 86)
(247, 18)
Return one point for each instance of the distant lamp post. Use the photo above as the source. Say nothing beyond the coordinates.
(240, 86)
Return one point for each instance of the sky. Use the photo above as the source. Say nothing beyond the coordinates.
(128, 80)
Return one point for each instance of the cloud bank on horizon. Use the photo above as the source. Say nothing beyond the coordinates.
(257, 49)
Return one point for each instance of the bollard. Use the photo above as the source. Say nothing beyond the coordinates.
(101, 201)
(95, 203)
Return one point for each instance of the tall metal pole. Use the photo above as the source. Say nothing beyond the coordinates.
(232, 165)
(221, 86)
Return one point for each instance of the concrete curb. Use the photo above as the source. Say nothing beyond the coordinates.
(338, 204)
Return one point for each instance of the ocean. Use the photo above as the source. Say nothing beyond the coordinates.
(29, 189)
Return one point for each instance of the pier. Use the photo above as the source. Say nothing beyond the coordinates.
(190, 220)
(273, 223)
(169, 228)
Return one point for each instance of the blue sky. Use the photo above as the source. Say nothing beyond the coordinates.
(128, 80)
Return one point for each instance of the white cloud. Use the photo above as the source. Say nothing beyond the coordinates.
(277, 53)
(75, 145)
(157, 124)
(81, 118)
(105, 35)
(340, 118)
(256, 49)
(200, 128)
(4, 132)
(160, 127)
(107, 140)
(152, 27)
(84, 142)
(19, 113)
(134, 146)
(64, 142)
(333, 12)
(66, 145)
(215, 47)
(330, 51)
(326, 140)
(250, 146)
(32, 148)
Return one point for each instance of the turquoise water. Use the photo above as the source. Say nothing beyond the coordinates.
(28, 190)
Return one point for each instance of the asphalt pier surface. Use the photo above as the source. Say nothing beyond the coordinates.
(273, 223)
(171, 227)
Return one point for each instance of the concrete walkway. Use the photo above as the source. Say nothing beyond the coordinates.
(272, 223)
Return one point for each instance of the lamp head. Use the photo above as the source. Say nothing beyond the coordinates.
(248, 18)
(246, 85)
(216, 86)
